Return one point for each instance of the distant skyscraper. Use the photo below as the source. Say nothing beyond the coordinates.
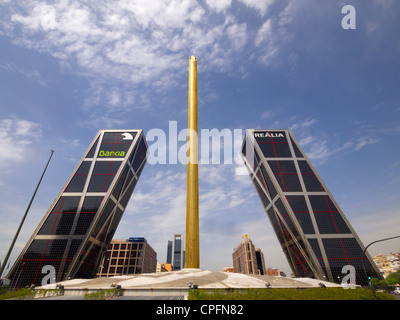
(79, 225)
(175, 253)
(315, 235)
(247, 259)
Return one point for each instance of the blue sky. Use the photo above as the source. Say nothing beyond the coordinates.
(69, 68)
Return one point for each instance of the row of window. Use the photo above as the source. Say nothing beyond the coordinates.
(63, 215)
(125, 246)
(130, 253)
(327, 217)
(122, 270)
(341, 252)
(101, 178)
(288, 178)
(122, 262)
(276, 145)
(115, 143)
(42, 253)
(104, 171)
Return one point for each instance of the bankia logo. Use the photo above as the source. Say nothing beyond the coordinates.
(127, 136)
(119, 154)
(269, 135)
(111, 154)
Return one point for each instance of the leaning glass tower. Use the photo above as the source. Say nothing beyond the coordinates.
(79, 225)
(315, 235)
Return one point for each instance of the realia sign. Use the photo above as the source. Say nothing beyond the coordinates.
(268, 135)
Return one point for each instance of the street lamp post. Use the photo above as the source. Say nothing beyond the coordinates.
(365, 272)
(23, 219)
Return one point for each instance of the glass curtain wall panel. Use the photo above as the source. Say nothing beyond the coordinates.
(315, 235)
(76, 230)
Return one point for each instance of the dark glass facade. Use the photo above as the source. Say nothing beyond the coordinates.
(315, 236)
(75, 232)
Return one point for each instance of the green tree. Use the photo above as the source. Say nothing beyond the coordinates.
(390, 281)
(376, 282)
(393, 278)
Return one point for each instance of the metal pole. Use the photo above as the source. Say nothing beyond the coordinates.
(365, 272)
(192, 259)
(23, 219)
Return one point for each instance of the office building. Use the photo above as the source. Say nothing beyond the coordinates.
(316, 238)
(175, 253)
(76, 230)
(247, 259)
(130, 256)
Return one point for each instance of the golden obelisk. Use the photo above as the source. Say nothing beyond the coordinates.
(192, 257)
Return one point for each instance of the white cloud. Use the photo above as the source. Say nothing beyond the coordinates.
(15, 136)
(260, 5)
(163, 13)
(266, 115)
(129, 43)
(100, 120)
(33, 75)
(303, 124)
(43, 16)
(305, 141)
(364, 141)
(219, 5)
(264, 32)
(133, 42)
(27, 129)
(121, 51)
(267, 43)
(318, 147)
(237, 33)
